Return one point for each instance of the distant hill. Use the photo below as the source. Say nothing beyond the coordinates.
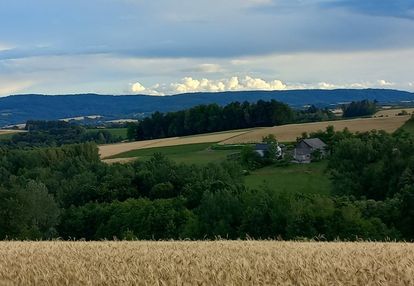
(20, 108)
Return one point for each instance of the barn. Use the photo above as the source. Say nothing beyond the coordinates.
(305, 147)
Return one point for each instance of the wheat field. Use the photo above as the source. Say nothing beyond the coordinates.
(393, 112)
(206, 263)
(289, 133)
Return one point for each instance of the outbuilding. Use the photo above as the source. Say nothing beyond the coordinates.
(262, 148)
(306, 147)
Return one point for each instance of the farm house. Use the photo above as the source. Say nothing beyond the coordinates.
(306, 147)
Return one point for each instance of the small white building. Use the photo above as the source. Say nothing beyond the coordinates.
(262, 148)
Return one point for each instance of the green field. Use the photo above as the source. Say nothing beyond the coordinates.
(300, 178)
(7, 136)
(191, 154)
(409, 126)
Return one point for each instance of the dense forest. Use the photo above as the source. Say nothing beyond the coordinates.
(213, 118)
(68, 192)
(57, 133)
(359, 108)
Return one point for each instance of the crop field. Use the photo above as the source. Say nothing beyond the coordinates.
(289, 133)
(393, 112)
(295, 178)
(110, 150)
(206, 263)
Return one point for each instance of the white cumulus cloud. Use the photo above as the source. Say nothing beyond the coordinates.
(383, 82)
(235, 83)
(326, 85)
(137, 87)
(189, 84)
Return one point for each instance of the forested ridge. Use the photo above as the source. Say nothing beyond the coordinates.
(68, 192)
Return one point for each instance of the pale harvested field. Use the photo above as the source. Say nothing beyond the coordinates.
(106, 151)
(119, 160)
(205, 263)
(289, 133)
(393, 112)
(3, 132)
(113, 149)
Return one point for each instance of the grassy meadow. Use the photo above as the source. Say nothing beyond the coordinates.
(297, 178)
(198, 154)
(408, 127)
(6, 136)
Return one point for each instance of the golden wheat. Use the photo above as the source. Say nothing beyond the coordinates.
(289, 133)
(206, 263)
(393, 112)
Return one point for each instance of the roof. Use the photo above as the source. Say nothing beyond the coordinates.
(315, 143)
(262, 146)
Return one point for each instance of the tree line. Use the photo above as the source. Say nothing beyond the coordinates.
(57, 133)
(359, 108)
(213, 118)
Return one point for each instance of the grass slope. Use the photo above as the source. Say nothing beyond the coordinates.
(409, 126)
(298, 178)
(6, 136)
(191, 154)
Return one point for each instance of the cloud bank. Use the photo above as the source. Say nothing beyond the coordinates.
(247, 83)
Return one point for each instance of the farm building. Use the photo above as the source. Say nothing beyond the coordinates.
(304, 149)
(262, 148)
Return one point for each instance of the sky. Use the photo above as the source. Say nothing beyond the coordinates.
(164, 47)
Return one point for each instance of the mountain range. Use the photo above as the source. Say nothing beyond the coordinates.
(20, 108)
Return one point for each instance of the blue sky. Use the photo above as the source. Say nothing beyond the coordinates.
(164, 47)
